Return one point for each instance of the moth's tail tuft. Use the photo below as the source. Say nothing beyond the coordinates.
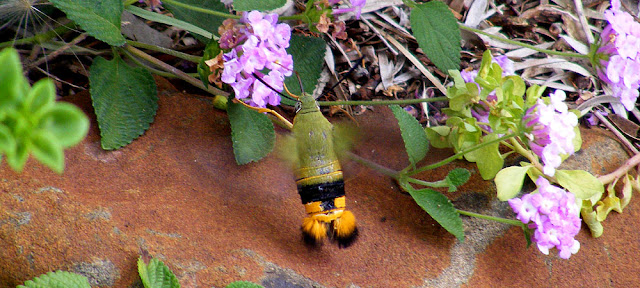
(314, 231)
(344, 229)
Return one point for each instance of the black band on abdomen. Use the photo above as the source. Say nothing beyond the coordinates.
(321, 192)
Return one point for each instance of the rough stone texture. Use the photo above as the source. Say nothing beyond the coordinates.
(177, 194)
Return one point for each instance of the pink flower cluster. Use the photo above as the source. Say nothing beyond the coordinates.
(263, 48)
(551, 131)
(554, 215)
(621, 43)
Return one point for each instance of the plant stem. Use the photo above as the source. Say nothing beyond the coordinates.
(175, 71)
(493, 218)
(181, 55)
(382, 102)
(366, 162)
(200, 9)
(505, 40)
(38, 38)
(436, 184)
(460, 154)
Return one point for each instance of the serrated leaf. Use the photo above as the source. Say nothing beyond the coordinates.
(156, 274)
(440, 209)
(100, 18)
(509, 181)
(413, 135)
(436, 31)
(264, 5)
(203, 20)
(458, 177)
(243, 284)
(125, 101)
(581, 183)
(308, 58)
(46, 149)
(66, 122)
(58, 279)
(252, 133)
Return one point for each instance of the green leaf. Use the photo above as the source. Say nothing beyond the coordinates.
(100, 18)
(457, 177)
(264, 5)
(156, 274)
(438, 136)
(243, 284)
(440, 209)
(308, 58)
(41, 96)
(13, 85)
(509, 181)
(47, 150)
(413, 135)
(203, 20)
(67, 123)
(125, 101)
(487, 158)
(58, 279)
(7, 141)
(252, 133)
(581, 183)
(437, 33)
(164, 19)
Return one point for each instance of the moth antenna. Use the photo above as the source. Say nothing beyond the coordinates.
(344, 76)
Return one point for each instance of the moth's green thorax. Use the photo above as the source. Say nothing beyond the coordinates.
(313, 135)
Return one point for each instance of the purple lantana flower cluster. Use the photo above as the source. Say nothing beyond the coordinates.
(258, 49)
(554, 215)
(481, 111)
(620, 41)
(551, 131)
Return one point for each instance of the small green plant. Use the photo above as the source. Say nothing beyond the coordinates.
(153, 275)
(31, 121)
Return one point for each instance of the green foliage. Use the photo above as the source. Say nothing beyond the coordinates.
(581, 183)
(59, 279)
(243, 284)
(509, 181)
(436, 31)
(308, 58)
(31, 121)
(439, 208)
(457, 177)
(100, 18)
(161, 18)
(252, 133)
(265, 5)
(156, 274)
(125, 101)
(203, 20)
(413, 135)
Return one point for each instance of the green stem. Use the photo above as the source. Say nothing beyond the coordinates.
(505, 40)
(437, 184)
(460, 154)
(382, 102)
(181, 55)
(175, 71)
(493, 218)
(38, 38)
(366, 162)
(202, 10)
